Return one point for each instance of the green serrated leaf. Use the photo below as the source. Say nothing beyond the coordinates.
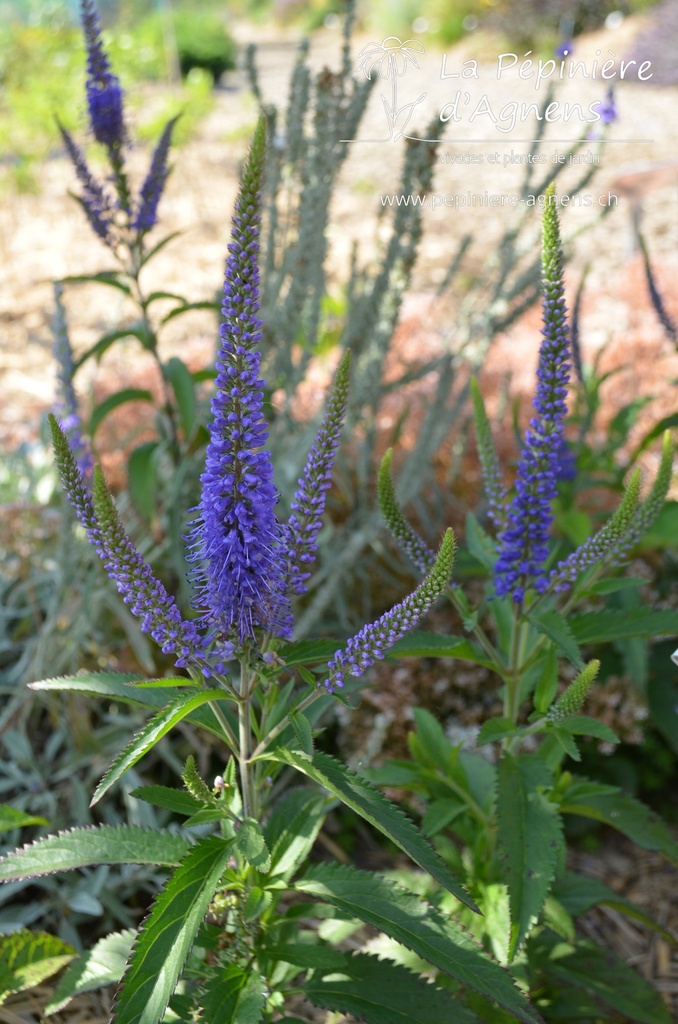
(12, 817)
(381, 992)
(369, 803)
(103, 965)
(27, 958)
(302, 731)
(147, 737)
(234, 996)
(166, 936)
(128, 689)
(417, 926)
(182, 383)
(624, 813)
(176, 800)
(600, 627)
(530, 840)
(82, 847)
(565, 740)
(250, 845)
(583, 725)
(556, 628)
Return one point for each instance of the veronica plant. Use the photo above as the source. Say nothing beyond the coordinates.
(498, 817)
(122, 216)
(244, 927)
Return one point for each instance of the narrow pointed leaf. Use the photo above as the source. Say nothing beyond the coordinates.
(182, 383)
(12, 817)
(603, 626)
(113, 402)
(419, 644)
(530, 840)
(370, 804)
(604, 976)
(578, 893)
(146, 739)
(81, 847)
(556, 628)
(168, 933)
(381, 992)
(27, 958)
(135, 690)
(624, 813)
(177, 800)
(103, 965)
(416, 925)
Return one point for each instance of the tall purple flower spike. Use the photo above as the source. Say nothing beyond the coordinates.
(308, 504)
(523, 545)
(93, 198)
(240, 564)
(104, 92)
(153, 186)
(372, 641)
(134, 578)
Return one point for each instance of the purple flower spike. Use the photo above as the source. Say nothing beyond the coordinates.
(135, 580)
(154, 185)
(104, 92)
(93, 199)
(67, 408)
(523, 545)
(241, 564)
(308, 504)
(372, 641)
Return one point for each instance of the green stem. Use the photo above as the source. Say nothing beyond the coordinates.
(249, 796)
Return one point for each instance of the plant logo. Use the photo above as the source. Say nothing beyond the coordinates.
(390, 59)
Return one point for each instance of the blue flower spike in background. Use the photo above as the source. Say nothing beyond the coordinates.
(523, 545)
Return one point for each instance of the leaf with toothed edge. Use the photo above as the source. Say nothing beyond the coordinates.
(381, 992)
(147, 737)
(82, 847)
(412, 922)
(530, 840)
(370, 804)
(167, 935)
(130, 689)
